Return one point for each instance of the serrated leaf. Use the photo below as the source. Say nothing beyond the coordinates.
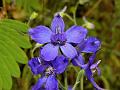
(19, 29)
(12, 37)
(16, 25)
(20, 40)
(9, 60)
(5, 75)
(20, 56)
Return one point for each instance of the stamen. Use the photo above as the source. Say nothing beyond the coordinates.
(96, 42)
(50, 70)
(39, 60)
(59, 39)
(93, 71)
(58, 30)
(98, 62)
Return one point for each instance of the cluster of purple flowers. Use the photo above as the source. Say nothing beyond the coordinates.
(59, 49)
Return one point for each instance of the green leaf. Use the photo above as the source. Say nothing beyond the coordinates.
(79, 76)
(13, 37)
(9, 60)
(17, 36)
(5, 75)
(16, 25)
(0, 83)
(20, 56)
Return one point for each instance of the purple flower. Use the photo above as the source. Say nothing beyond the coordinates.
(56, 38)
(89, 45)
(46, 83)
(69, 87)
(89, 68)
(48, 69)
(37, 65)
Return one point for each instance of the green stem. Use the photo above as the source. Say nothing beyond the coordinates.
(65, 80)
(81, 82)
(32, 51)
(92, 9)
(79, 76)
(26, 77)
(71, 66)
(69, 17)
(61, 85)
(28, 23)
(74, 13)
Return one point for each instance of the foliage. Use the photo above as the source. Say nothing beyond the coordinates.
(12, 39)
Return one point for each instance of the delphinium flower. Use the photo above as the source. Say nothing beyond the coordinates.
(89, 45)
(56, 38)
(48, 71)
(89, 68)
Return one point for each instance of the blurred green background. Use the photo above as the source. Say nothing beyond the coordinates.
(104, 14)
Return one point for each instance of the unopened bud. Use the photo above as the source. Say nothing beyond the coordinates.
(88, 24)
(33, 15)
(61, 13)
(38, 45)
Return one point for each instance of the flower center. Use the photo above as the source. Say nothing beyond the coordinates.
(94, 67)
(49, 70)
(59, 38)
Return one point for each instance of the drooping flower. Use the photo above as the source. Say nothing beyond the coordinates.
(89, 68)
(88, 71)
(48, 70)
(37, 65)
(56, 38)
(88, 24)
(89, 45)
(46, 83)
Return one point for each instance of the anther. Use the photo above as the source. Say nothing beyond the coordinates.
(58, 30)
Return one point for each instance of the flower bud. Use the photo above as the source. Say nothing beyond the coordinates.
(38, 45)
(33, 15)
(88, 24)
